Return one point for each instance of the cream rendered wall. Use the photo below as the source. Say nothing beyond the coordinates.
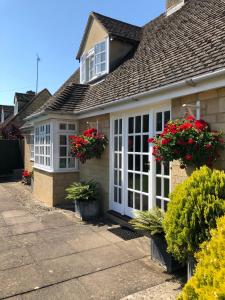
(96, 34)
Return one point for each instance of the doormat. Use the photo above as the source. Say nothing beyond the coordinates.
(125, 233)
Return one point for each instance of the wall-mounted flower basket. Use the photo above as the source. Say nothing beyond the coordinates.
(188, 140)
(90, 144)
(26, 177)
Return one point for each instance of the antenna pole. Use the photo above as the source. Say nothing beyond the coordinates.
(38, 59)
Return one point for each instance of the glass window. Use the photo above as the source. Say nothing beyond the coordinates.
(42, 145)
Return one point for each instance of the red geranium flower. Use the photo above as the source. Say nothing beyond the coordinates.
(190, 118)
(151, 140)
(188, 157)
(201, 125)
(191, 141)
(165, 141)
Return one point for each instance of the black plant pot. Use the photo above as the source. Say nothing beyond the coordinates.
(86, 210)
(160, 254)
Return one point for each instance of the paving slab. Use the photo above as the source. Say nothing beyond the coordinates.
(88, 241)
(4, 232)
(106, 257)
(118, 282)
(14, 258)
(19, 280)
(50, 249)
(14, 213)
(71, 290)
(26, 239)
(19, 220)
(136, 248)
(57, 220)
(64, 268)
(26, 228)
(111, 237)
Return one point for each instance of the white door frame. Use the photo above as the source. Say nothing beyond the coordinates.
(123, 207)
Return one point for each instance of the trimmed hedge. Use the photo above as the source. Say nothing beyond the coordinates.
(192, 211)
(208, 281)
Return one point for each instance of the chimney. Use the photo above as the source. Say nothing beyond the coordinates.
(173, 5)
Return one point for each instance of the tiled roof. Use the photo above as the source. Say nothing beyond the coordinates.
(188, 43)
(24, 97)
(119, 28)
(8, 110)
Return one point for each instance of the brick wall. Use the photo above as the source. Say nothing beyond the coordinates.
(98, 169)
(212, 111)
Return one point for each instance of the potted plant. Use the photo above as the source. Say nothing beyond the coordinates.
(32, 180)
(90, 144)
(26, 177)
(188, 140)
(150, 222)
(192, 211)
(86, 199)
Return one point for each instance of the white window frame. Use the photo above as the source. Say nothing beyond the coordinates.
(55, 132)
(30, 142)
(86, 59)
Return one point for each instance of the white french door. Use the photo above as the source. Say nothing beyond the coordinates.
(137, 183)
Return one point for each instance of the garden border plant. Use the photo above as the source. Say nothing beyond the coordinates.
(192, 211)
(188, 140)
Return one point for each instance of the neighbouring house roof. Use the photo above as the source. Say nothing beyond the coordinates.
(116, 28)
(29, 108)
(188, 43)
(8, 110)
(24, 97)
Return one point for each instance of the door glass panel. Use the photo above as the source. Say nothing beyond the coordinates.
(145, 183)
(130, 199)
(145, 143)
(137, 182)
(159, 121)
(145, 123)
(138, 124)
(166, 117)
(130, 161)
(166, 187)
(130, 181)
(158, 186)
(137, 143)
(144, 202)
(130, 144)
(145, 163)
(131, 125)
(137, 163)
(137, 201)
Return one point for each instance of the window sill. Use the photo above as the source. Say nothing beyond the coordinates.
(57, 170)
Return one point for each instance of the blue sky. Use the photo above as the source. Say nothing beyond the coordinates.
(53, 29)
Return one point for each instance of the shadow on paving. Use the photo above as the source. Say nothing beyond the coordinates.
(55, 256)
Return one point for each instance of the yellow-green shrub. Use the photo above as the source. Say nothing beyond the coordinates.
(192, 211)
(208, 282)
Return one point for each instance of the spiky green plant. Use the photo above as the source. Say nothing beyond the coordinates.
(83, 191)
(149, 221)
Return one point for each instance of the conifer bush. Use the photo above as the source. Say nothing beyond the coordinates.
(192, 211)
(208, 281)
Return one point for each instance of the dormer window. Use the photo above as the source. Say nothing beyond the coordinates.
(94, 63)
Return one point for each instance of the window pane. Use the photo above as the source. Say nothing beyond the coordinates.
(131, 125)
(166, 169)
(137, 143)
(115, 177)
(130, 181)
(63, 151)
(159, 121)
(166, 187)
(71, 127)
(120, 126)
(120, 143)
(120, 178)
(158, 168)
(144, 202)
(115, 161)
(116, 127)
(120, 161)
(62, 126)
(115, 194)
(158, 186)
(130, 144)
(71, 163)
(137, 201)
(47, 150)
(62, 163)
(63, 139)
(116, 143)
(145, 183)
(145, 143)
(120, 195)
(137, 163)
(137, 182)
(146, 123)
(103, 67)
(130, 162)
(138, 124)
(158, 203)
(130, 199)
(166, 117)
(145, 163)
(165, 205)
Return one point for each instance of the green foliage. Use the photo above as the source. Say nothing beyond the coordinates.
(83, 191)
(208, 281)
(150, 221)
(192, 211)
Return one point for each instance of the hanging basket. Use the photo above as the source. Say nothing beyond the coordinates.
(90, 144)
(190, 141)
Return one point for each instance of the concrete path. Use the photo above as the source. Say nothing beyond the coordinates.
(52, 255)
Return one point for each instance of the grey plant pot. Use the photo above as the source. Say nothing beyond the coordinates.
(159, 253)
(86, 210)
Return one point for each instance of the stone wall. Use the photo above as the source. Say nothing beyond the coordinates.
(212, 111)
(98, 169)
(50, 187)
(28, 164)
